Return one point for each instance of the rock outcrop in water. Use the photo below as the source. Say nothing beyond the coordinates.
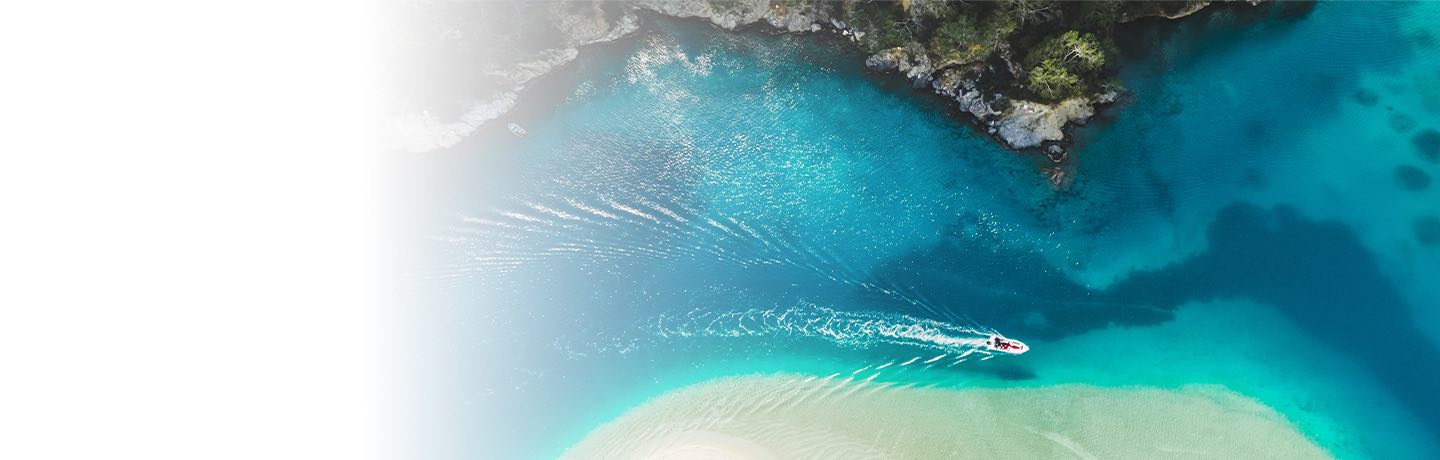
(1025, 70)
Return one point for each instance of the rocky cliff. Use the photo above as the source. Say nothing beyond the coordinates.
(1006, 64)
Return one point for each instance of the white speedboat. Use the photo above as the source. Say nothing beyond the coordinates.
(516, 130)
(1004, 345)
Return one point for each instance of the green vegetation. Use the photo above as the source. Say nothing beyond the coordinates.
(1062, 47)
(960, 40)
(1098, 13)
(1065, 65)
(1028, 12)
(885, 24)
(1052, 81)
(1049, 49)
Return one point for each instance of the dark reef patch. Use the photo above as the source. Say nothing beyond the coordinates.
(1317, 273)
(1253, 179)
(1001, 288)
(1411, 178)
(1427, 230)
(1424, 39)
(1257, 132)
(1402, 123)
(1427, 144)
(1366, 97)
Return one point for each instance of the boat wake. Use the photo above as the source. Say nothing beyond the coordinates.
(614, 237)
(608, 234)
(854, 330)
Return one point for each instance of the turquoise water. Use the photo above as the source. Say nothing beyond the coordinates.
(693, 203)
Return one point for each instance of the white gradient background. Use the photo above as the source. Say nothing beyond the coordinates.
(188, 247)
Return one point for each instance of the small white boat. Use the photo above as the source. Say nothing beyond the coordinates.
(517, 130)
(1004, 345)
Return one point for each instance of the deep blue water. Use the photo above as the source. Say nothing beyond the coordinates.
(693, 203)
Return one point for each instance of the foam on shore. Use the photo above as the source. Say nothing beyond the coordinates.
(793, 417)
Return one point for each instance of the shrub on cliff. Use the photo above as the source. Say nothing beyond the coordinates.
(1100, 14)
(958, 39)
(1051, 80)
(1078, 52)
(885, 25)
(961, 39)
(1065, 65)
(1029, 12)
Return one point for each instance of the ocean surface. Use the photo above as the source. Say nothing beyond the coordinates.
(1260, 212)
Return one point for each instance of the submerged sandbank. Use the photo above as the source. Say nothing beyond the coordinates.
(792, 416)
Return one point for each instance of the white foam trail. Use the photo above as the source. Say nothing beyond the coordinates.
(591, 210)
(750, 231)
(490, 223)
(736, 242)
(911, 361)
(855, 330)
(722, 227)
(632, 211)
(549, 235)
(553, 212)
(524, 217)
(668, 213)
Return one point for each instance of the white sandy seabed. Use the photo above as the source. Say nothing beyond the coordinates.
(788, 416)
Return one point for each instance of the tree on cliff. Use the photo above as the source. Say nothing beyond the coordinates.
(1032, 11)
(1064, 65)
(1102, 14)
(961, 39)
(1051, 80)
(885, 24)
(1082, 51)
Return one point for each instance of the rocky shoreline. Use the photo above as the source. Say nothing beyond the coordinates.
(986, 81)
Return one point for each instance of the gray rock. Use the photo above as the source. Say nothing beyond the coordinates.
(1027, 124)
(912, 63)
(1055, 152)
(887, 60)
(1107, 97)
(957, 85)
